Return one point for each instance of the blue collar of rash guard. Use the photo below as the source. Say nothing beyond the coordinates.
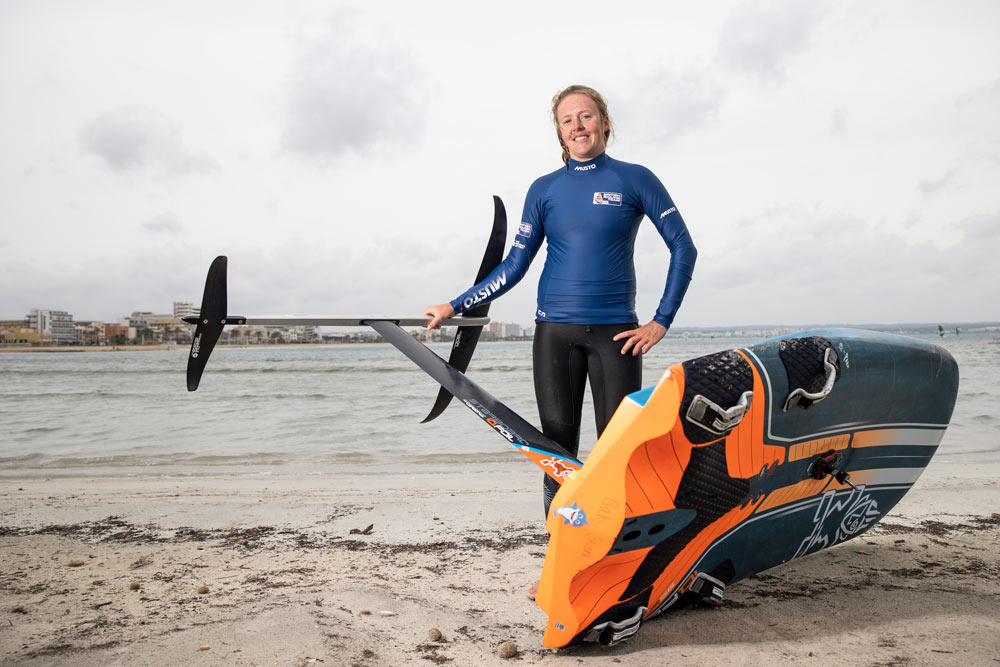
(588, 167)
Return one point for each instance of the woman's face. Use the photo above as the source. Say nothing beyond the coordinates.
(581, 126)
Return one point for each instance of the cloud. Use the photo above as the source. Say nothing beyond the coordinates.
(351, 94)
(165, 223)
(759, 39)
(106, 288)
(813, 267)
(672, 103)
(838, 122)
(932, 187)
(134, 138)
(983, 231)
(975, 118)
(987, 96)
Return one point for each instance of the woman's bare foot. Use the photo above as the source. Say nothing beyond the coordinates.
(533, 591)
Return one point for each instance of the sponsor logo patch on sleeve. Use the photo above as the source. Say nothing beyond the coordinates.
(524, 229)
(608, 198)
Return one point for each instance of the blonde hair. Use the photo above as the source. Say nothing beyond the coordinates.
(602, 109)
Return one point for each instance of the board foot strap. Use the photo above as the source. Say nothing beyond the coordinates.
(610, 633)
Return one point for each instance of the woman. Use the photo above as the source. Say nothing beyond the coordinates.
(589, 212)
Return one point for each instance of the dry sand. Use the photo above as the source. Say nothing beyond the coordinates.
(106, 570)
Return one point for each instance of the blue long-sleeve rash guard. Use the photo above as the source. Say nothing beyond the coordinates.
(590, 214)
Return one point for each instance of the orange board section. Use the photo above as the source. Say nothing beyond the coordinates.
(604, 490)
(635, 480)
(805, 450)
(746, 453)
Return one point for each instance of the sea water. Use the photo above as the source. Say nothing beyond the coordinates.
(308, 408)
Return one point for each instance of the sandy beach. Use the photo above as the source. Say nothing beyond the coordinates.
(357, 566)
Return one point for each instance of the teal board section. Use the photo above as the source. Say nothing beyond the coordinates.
(884, 380)
(858, 416)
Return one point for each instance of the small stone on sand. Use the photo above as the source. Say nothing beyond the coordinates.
(434, 635)
(202, 590)
(365, 612)
(135, 586)
(507, 650)
(204, 647)
(386, 614)
(76, 563)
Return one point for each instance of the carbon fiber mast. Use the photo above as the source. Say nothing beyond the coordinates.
(467, 337)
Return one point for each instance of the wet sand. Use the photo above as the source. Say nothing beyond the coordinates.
(117, 567)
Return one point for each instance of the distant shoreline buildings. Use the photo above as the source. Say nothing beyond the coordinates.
(51, 328)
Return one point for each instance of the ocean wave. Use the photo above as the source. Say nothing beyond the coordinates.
(94, 371)
(317, 369)
(83, 395)
(44, 429)
(361, 369)
(501, 369)
(281, 396)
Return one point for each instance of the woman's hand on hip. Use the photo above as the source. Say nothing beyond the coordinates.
(438, 313)
(642, 339)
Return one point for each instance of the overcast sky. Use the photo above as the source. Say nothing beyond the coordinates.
(835, 162)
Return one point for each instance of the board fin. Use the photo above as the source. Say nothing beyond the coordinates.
(466, 338)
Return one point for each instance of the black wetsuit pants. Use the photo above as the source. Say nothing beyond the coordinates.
(564, 356)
